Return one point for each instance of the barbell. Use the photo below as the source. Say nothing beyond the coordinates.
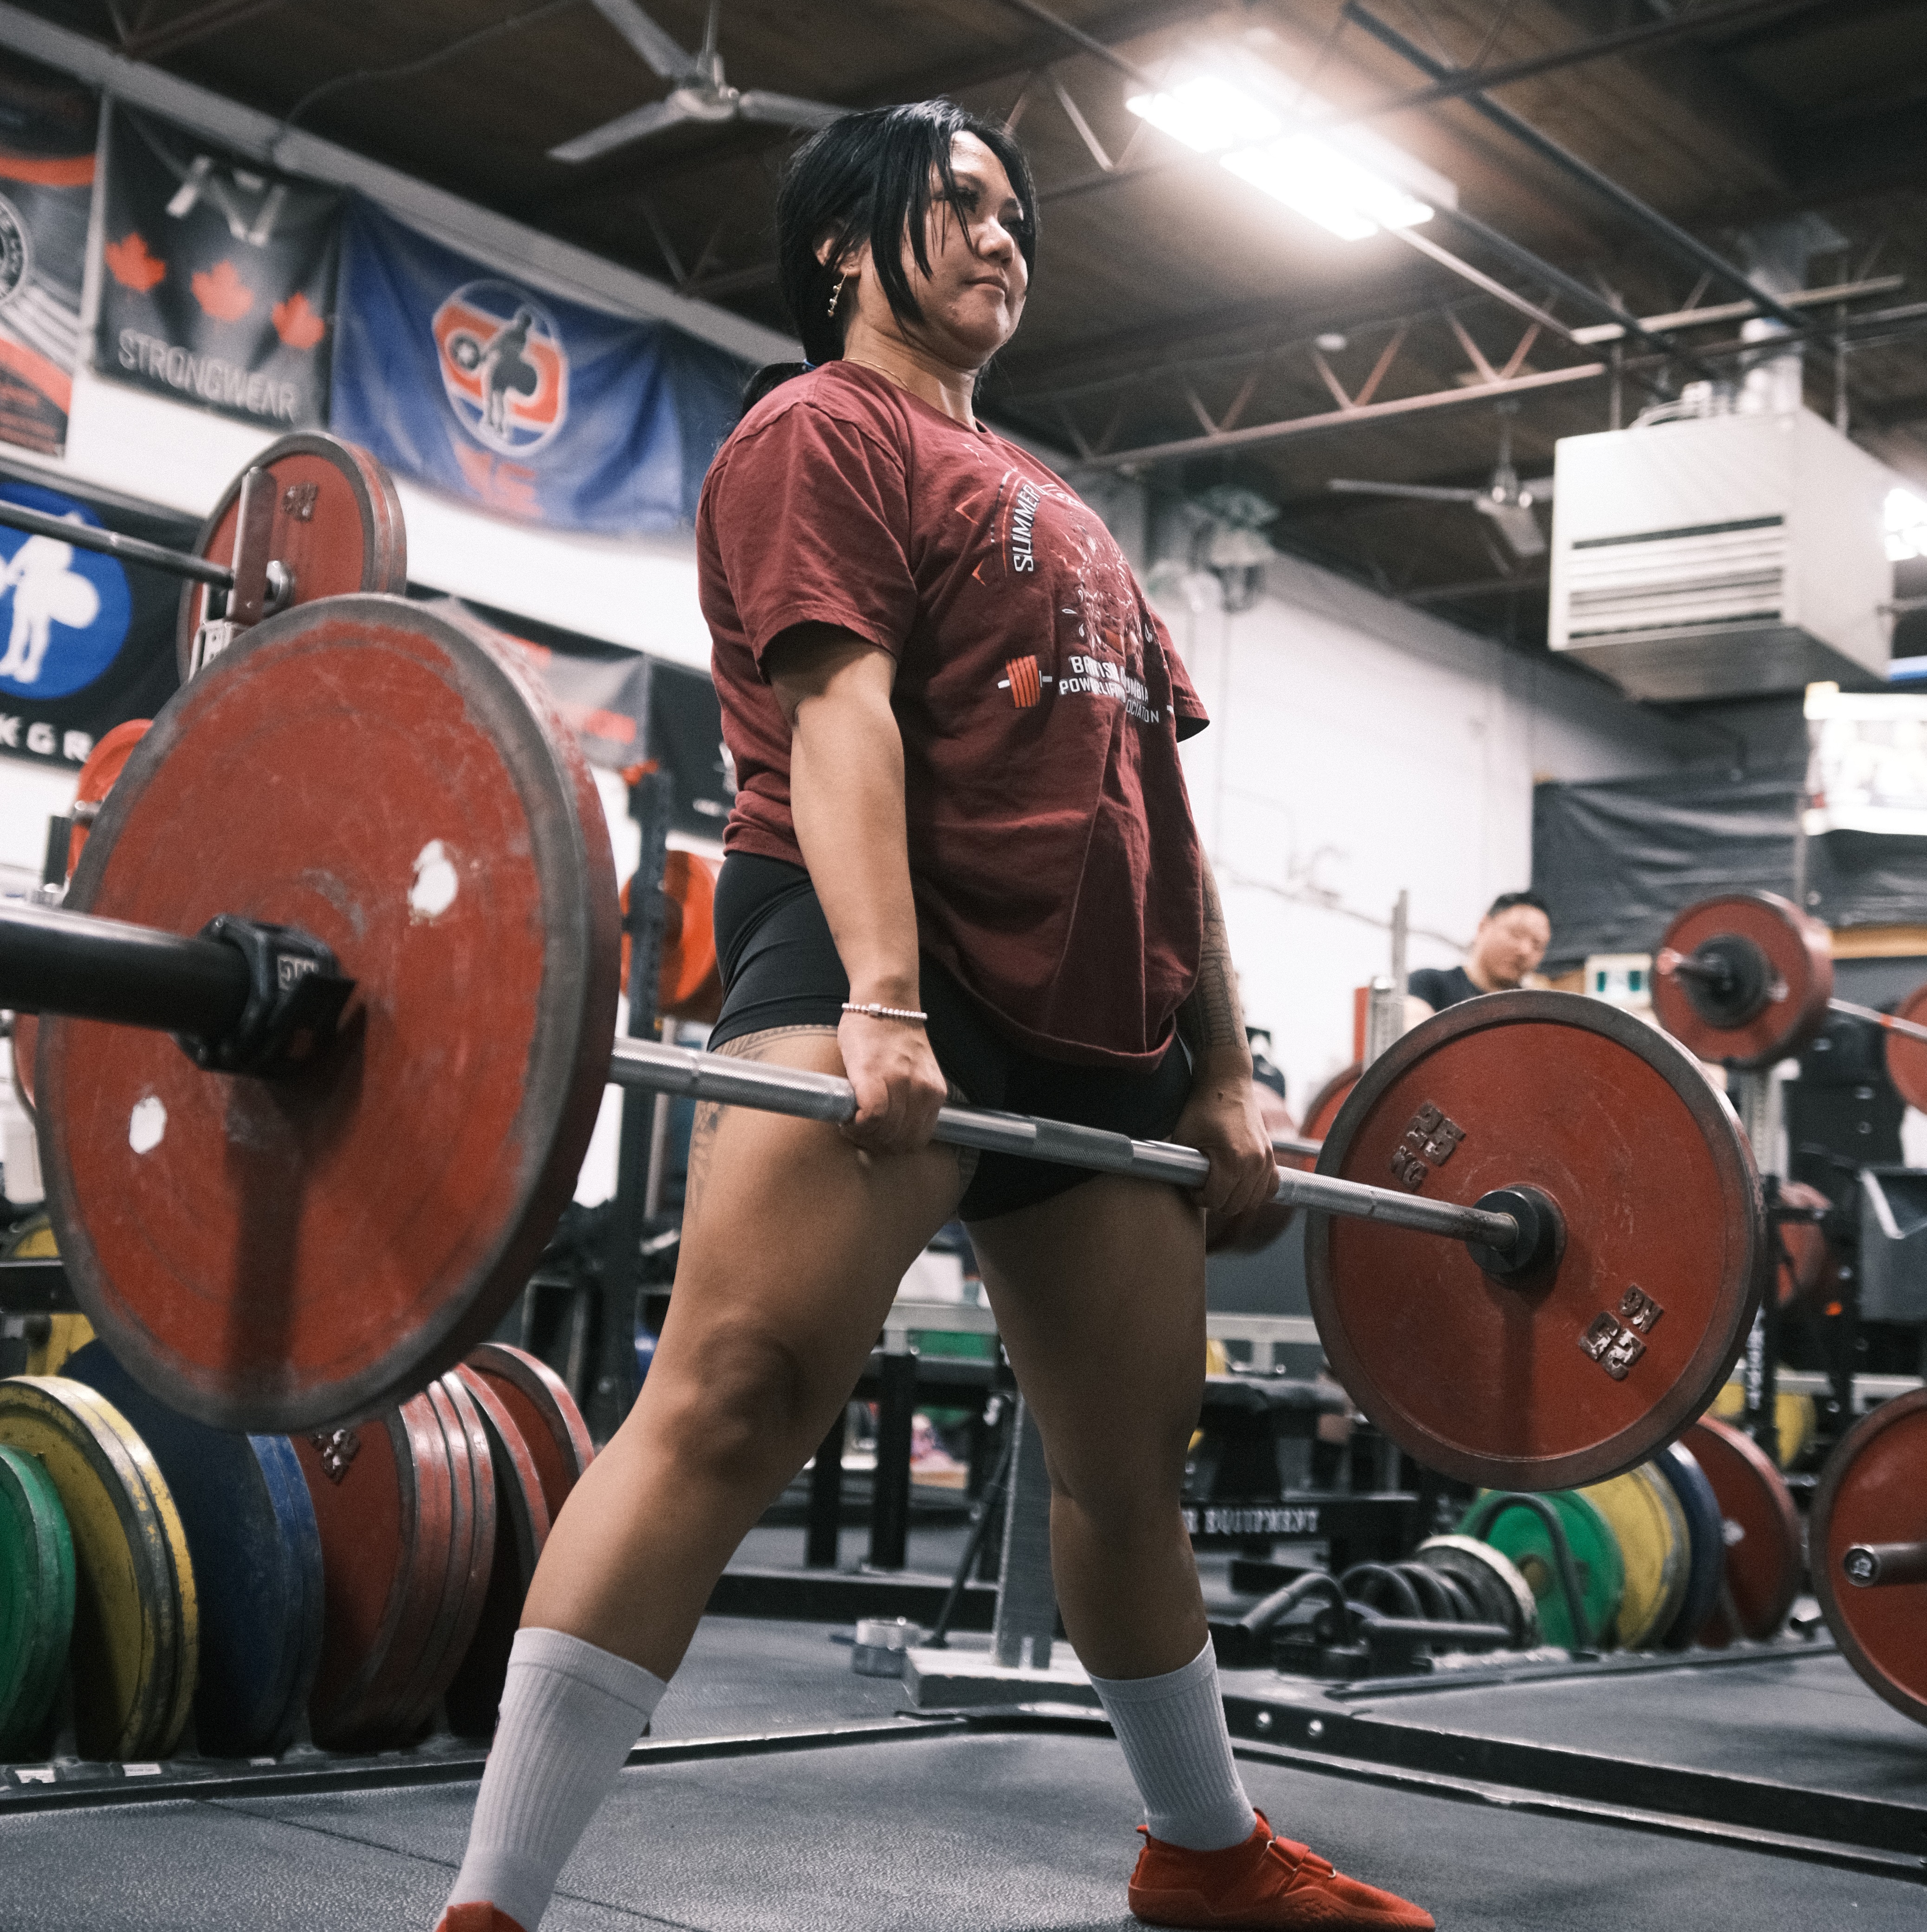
(359, 869)
(1747, 978)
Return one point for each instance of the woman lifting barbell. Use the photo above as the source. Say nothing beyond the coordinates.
(962, 858)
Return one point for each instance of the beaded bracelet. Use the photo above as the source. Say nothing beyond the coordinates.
(872, 1011)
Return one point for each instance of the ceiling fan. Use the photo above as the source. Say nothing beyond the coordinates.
(698, 91)
(1505, 499)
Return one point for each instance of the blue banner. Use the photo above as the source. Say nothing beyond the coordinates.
(467, 380)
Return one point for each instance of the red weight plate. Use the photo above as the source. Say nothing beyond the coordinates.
(381, 1495)
(690, 985)
(1326, 1103)
(26, 1037)
(1907, 1059)
(1570, 1376)
(545, 1412)
(1805, 1269)
(413, 1700)
(1255, 1230)
(1798, 952)
(1761, 1528)
(521, 1529)
(271, 1256)
(468, 1575)
(338, 527)
(1873, 1489)
(104, 764)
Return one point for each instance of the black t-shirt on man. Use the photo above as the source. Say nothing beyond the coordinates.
(1440, 988)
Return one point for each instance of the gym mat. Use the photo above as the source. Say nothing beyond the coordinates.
(1004, 1832)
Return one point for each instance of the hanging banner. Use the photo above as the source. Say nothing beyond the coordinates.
(218, 280)
(48, 129)
(87, 643)
(512, 399)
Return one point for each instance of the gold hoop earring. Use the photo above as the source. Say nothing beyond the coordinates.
(836, 294)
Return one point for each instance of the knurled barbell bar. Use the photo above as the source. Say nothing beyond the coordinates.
(358, 854)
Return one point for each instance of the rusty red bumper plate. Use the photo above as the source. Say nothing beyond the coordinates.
(1779, 964)
(1907, 1059)
(274, 1256)
(336, 528)
(1874, 1491)
(1587, 1368)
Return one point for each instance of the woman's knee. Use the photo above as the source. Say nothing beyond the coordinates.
(736, 1405)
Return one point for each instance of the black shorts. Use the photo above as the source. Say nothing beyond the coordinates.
(781, 969)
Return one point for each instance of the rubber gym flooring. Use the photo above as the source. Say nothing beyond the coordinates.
(869, 1822)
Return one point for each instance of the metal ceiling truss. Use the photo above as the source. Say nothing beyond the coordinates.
(1821, 315)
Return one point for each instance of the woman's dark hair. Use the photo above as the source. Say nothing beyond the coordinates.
(868, 177)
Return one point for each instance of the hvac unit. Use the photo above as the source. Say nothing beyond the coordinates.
(1727, 556)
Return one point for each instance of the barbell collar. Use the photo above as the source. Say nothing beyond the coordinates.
(112, 543)
(803, 1094)
(1868, 1564)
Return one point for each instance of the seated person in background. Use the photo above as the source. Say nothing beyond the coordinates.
(1510, 941)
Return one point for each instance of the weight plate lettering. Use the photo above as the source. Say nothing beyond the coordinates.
(337, 528)
(1583, 1371)
(275, 1256)
(1873, 1491)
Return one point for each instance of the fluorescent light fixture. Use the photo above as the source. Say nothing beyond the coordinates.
(1315, 176)
(1906, 526)
(1209, 114)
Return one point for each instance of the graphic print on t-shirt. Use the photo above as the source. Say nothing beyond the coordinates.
(1102, 621)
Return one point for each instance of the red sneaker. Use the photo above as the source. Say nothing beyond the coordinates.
(477, 1916)
(1267, 1884)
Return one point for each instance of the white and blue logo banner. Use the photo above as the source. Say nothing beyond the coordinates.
(85, 644)
(526, 405)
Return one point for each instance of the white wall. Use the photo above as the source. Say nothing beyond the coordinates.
(1358, 746)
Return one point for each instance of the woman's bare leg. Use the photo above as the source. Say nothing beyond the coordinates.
(793, 1244)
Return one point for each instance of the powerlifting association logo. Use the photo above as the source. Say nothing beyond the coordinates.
(16, 252)
(503, 367)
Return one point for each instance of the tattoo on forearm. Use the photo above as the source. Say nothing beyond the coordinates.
(1213, 1017)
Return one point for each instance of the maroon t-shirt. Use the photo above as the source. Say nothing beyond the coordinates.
(1057, 870)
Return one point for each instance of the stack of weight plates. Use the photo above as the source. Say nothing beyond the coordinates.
(405, 1506)
(1706, 1567)
(1518, 1532)
(36, 1601)
(1656, 1558)
(1492, 1581)
(257, 1554)
(136, 1643)
(540, 1446)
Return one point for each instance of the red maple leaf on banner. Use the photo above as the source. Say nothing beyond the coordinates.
(297, 323)
(222, 293)
(131, 265)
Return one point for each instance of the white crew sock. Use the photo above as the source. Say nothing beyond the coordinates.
(570, 1713)
(1173, 1731)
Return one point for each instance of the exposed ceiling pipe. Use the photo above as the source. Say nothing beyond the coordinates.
(1628, 203)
